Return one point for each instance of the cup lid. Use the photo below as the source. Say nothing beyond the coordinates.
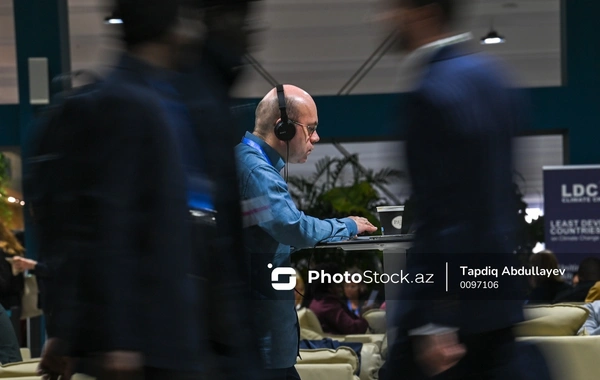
(390, 208)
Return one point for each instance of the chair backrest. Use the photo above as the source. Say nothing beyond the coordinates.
(377, 321)
(25, 353)
(308, 320)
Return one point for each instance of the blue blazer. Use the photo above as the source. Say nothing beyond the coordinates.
(117, 237)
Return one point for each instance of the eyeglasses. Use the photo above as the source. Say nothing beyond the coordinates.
(310, 128)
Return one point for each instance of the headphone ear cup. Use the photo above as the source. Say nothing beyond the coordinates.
(285, 131)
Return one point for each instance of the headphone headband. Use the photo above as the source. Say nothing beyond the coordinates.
(284, 129)
(281, 98)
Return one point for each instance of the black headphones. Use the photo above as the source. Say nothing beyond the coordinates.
(285, 130)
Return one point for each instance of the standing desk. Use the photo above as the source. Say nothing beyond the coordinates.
(394, 249)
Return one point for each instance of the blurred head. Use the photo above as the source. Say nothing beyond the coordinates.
(301, 110)
(419, 22)
(544, 260)
(354, 291)
(147, 21)
(187, 25)
(227, 23)
(589, 269)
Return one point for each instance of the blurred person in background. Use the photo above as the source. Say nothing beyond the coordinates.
(588, 274)
(129, 292)
(10, 349)
(327, 302)
(356, 295)
(275, 224)
(461, 117)
(594, 293)
(591, 326)
(11, 281)
(545, 289)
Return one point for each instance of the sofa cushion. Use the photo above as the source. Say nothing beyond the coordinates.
(308, 320)
(370, 361)
(309, 334)
(570, 357)
(326, 355)
(384, 347)
(376, 320)
(552, 320)
(21, 369)
(331, 371)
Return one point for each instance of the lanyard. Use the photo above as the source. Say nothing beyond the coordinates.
(255, 145)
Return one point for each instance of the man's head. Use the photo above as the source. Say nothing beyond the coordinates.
(146, 21)
(420, 22)
(302, 113)
(227, 23)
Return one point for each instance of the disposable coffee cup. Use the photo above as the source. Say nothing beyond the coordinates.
(391, 219)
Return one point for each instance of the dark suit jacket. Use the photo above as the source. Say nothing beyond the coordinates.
(225, 265)
(118, 238)
(461, 119)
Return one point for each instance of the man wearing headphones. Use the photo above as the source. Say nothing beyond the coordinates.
(285, 132)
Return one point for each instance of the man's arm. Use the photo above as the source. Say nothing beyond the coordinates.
(289, 225)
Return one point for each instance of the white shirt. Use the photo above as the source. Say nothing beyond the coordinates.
(412, 67)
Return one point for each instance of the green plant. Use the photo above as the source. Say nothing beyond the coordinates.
(338, 188)
(328, 193)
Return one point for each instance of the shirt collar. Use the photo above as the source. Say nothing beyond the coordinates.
(415, 62)
(274, 157)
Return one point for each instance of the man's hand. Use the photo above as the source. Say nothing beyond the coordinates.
(123, 361)
(22, 264)
(363, 224)
(438, 353)
(54, 362)
(123, 365)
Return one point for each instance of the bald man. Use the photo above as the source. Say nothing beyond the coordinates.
(279, 225)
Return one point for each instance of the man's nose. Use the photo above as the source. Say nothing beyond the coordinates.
(314, 138)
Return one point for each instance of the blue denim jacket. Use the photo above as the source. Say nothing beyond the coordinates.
(269, 242)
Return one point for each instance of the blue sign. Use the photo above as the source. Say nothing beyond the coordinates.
(572, 212)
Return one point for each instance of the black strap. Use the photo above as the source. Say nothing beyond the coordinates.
(281, 98)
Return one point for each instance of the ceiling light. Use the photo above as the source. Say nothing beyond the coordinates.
(492, 38)
(113, 20)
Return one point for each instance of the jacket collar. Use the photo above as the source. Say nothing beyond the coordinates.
(453, 51)
(415, 63)
(274, 157)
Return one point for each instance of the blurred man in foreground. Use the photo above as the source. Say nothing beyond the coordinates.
(461, 117)
(129, 289)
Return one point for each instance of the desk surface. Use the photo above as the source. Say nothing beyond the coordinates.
(370, 242)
